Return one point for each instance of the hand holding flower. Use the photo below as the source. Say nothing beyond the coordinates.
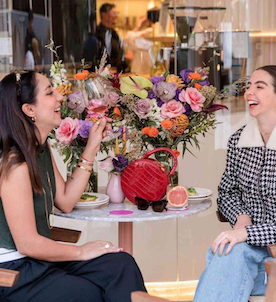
(96, 135)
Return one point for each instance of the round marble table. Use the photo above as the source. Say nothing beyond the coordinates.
(128, 213)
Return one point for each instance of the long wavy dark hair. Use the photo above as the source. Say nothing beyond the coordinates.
(18, 139)
(271, 69)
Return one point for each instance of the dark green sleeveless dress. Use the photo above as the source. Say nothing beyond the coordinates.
(45, 165)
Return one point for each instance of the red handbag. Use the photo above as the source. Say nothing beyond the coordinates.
(147, 178)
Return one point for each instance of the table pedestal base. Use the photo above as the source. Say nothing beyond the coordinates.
(125, 235)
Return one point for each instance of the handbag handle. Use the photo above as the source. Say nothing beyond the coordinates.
(149, 153)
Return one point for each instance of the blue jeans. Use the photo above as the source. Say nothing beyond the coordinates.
(233, 278)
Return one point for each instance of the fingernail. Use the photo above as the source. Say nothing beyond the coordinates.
(219, 254)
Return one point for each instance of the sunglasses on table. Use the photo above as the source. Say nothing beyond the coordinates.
(157, 206)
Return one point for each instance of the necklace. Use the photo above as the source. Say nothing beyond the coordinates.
(52, 201)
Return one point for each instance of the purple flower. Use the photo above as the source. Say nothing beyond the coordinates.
(143, 108)
(151, 94)
(111, 99)
(120, 162)
(177, 92)
(185, 75)
(157, 79)
(165, 91)
(78, 101)
(85, 128)
(121, 129)
(188, 109)
(159, 103)
(204, 82)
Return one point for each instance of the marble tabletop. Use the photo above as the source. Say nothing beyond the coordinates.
(103, 212)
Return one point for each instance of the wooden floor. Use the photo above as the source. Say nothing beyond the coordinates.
(174, 291)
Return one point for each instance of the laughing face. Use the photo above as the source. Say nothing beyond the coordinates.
(47, 106)
(260, 95)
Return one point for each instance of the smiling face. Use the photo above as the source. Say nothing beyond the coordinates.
(47, 106)
(260, 96)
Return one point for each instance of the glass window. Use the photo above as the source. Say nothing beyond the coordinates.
(39, 7)
(22, 5)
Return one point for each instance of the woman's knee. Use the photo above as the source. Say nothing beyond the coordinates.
(123, 262)
(124, 259)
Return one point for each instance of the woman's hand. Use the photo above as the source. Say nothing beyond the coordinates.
(232, 237)
(97, 248)
(97, 133)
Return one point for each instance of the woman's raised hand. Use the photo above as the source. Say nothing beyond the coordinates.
(97, 133)
(97, 248)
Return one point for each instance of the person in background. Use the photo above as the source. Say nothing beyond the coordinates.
(30, 186)
(32, 56)
(90, 46)
(247, 199)
(30, 32)
(108, 37)
(32, 53)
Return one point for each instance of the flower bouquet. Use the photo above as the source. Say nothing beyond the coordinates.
(147, 113)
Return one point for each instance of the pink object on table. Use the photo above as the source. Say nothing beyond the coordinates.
(120, 212)
(114, 189)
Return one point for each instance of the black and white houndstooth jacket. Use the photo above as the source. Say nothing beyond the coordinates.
(248, 185)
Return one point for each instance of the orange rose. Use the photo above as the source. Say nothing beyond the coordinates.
(167, 124)
(146, 130)
(195, 76)
(153, 132)
(198, 86)
(81, 76)
(117, 112)
(85, 71)
(177, 153)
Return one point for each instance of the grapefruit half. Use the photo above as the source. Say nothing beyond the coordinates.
(177, 197)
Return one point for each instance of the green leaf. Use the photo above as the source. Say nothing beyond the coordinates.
(67, 153)
(135, 85)
(152, 123)
(166, 74)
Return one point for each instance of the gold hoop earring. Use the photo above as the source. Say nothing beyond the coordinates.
(34, 119)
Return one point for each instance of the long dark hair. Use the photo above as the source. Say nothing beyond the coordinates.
(18, 139)
(271, 69)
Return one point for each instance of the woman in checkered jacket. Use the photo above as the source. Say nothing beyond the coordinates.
(247, 199)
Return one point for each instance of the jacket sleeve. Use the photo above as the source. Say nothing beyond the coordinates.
(229, 201)
(261, 235)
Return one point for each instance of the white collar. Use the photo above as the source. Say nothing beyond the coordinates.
(251, 137)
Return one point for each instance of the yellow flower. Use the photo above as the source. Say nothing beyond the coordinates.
(64, 89)
(172, 78)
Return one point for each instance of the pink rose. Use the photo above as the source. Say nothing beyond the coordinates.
(172, 109)
(68, 130)
(181, 96)
(112, 99)
(92, 105)
(107, 165)
(143, 108)
(195, 99)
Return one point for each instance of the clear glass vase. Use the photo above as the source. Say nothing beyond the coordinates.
(166, 159)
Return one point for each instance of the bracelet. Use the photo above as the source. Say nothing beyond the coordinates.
(85, 162)
(85, 169)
